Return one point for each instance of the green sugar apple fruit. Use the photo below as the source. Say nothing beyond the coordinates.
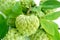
(27, 25)
(13, 35)
(39, 35)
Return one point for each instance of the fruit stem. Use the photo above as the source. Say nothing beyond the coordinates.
(28, 12)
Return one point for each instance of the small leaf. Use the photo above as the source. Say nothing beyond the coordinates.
(37, 9)
(17, 8)
(52, 16)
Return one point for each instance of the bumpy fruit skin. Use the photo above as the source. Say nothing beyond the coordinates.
(13, 35)
(27, 25)
(39, 35)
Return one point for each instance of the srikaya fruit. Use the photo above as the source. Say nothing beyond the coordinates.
(13, 34)
(27, 24)
(39, 35)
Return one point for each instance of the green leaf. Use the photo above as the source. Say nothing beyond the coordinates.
(51, 0)
(51, 28)
(13, 13)
(36, 9)
(48, 26)
(52, 16)
(59, 35)
(50, 4)
(3, 27)
(17, 8)
(56, 36)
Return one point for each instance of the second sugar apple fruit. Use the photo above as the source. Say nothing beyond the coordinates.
(13, 34)
(27, 24)
(39, 35)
